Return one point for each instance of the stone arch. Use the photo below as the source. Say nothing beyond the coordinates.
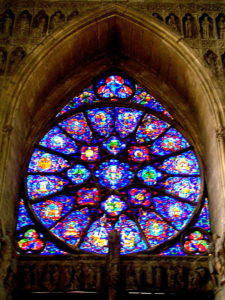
(70, 57)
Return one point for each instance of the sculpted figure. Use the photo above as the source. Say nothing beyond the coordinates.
(211, 59)
(188, 27)
(15, 58)
(73, 15)
(157, 16)
(221, 27)
(7, 24)
(76, 279)
(205, 27)
(23, 27)
(40, 24)
(172, 22)
(56, 20)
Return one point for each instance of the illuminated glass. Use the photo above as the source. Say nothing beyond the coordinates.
(114, 159)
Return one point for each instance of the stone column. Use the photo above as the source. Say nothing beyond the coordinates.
(113, 265)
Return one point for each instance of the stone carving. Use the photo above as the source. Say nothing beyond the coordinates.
(157, 16)
(15, 58)
(3, 57)
(73, 15)
(211, 59)
(221, 26)
(76, 277)
(7, 23)
(189, 26)
(56, 20)
(206, 27)
(23, 24)
(173, 21)
(40, 24)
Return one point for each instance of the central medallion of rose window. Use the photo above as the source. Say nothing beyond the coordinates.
(114, 174)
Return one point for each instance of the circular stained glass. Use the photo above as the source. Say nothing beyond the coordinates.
(118, 163)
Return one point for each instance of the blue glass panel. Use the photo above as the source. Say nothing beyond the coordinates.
(102, 120)
(96, 239)
(149, 175)
(71, 228)
(171, 141)
(77, 127)
(113, 205)
(51, 210)
(131, 239)
(114, 174)
(78, 174)
(86, 97)
(42, 161)
(178, 213)
(187, 188)
(143, 98)
(150, 129)
(174, 250)
(185, 163)
(139, 196)
(55, 139)
(155, 228)
(114, 86)
(40, 186)
(203, 219)
(126, 120)
(114, 145)
(23, 217)
(51, 249)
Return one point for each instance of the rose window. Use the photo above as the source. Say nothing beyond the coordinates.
(115, 159)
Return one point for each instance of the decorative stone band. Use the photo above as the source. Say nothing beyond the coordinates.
(145, 273)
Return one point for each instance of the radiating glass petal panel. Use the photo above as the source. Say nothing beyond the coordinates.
(188, 188)
(114, 174)
(72, 227)
(40, 186)
(131, 239)
(155, 228)
(143, 98)
(42, 161)
(96, 239)
(77, 127)
(78, 174)
(55, 139)
(176, 212)
(51, 210)
(170, 142)
(102, 120)
(126, 120)
(150, 128)
(185, 163)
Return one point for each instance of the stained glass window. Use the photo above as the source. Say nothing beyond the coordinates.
(115, 159)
